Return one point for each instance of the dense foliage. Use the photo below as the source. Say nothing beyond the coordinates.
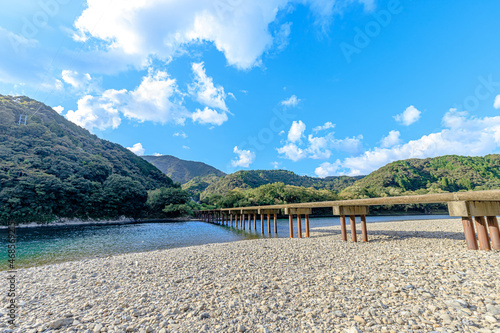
(431, 175)
(51, 168)
(198, 184)
(269, 194)
(170, 202)
(182, 171)
(244, 180)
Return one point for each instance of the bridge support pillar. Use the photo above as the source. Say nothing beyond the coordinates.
(268, 224)
(352, 211)
(478, 210)
(290, 224)
(354, 236)
(262, 223)
(298, 212)
(255, 222)
(275, 223)
(494, 232)
(364, 232)
(308, 234)
(343, 229)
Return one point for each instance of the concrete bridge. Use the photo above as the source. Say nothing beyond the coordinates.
(478, 210)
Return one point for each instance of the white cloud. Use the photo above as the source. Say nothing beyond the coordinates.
(296, 131)
(282, 36)
(59, 109)
(291, 102)
(292, 152)
(275, 164)
(181, 134)
(95, 112)
(327, 125)
(204, 90)
(137, 149)
(155, 99)
(496, 105)
(157, 154)
(75, 79)
(317, 147)
(390, 140)
(328, 169)
(185, 147)
(164, 27)
(244, 159)
(409, 116)
(462, 135)
(209, 116)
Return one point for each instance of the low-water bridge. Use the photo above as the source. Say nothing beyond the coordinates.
(478, 210)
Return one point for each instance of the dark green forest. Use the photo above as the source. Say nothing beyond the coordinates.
(51, 168)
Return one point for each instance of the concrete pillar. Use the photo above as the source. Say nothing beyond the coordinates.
(290, 224)
(470, 233)
(482, 233)
(494, 231)
(269, 224)
(354, 236)
(343, 229)
(363, 228)
(299, 225)
(307, 226)
(275, 223)
(262, 223)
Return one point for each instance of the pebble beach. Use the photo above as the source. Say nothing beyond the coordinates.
(412, 276)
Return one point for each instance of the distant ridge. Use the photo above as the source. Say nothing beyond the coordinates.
(182, 171)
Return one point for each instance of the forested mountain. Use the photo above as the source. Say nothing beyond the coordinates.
(431, 175)
(53, 168)
(182, 171)
(243, 180)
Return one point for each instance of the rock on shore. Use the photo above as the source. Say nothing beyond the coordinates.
(413, 276)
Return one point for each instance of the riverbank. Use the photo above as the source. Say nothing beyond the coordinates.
(412, 275)
(78, 222)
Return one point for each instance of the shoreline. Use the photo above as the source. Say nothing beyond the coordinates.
(412, 275)
(77, 222)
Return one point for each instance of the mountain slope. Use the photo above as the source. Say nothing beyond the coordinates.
(52, 168)
(419, 176)
(182, 171)
(255, 178)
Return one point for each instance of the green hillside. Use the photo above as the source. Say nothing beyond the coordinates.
(53, 168)
(431, 175)
(182, 171)
(244, 180)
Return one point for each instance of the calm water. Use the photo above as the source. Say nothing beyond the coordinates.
(46, 245)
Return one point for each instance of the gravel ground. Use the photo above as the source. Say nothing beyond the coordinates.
(413, 276)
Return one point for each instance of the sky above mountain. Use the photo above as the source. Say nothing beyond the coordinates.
(319, 87)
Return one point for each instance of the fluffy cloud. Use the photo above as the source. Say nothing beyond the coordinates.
(462, 135)
(316, 147)
(95, 112)
(75, 79)
(163, 28)
(496, 105)
(156, 99)
(327, 169)
(245, 158)
(409, 116)
(327, 125)
(390, 140)
(59, 109)
(292, 152)
(137, 149)
(209, 116)
(291, 102)
(204, 90)
(296, 131)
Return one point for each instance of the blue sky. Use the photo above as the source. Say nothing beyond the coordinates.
(319, 87)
